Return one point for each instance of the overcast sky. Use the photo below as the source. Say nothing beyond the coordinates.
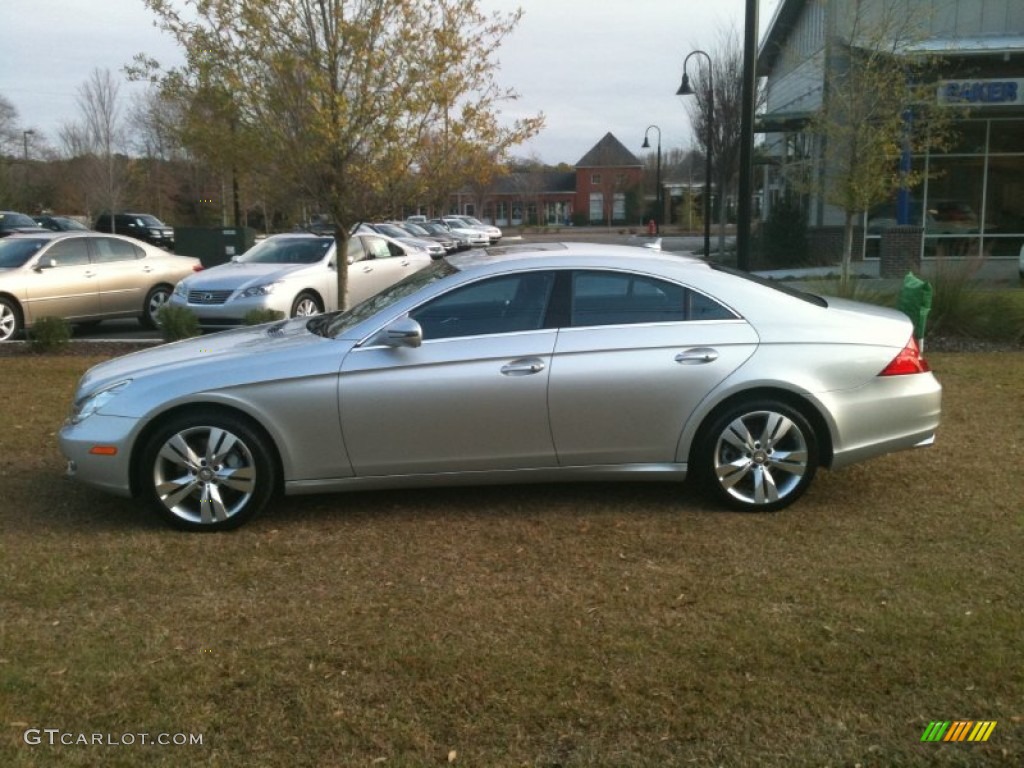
(591, 66)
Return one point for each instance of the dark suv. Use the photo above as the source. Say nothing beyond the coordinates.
(141, 226)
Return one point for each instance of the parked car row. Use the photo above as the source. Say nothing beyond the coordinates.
(55, 266)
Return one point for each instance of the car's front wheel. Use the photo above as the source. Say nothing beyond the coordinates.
(758, 456)
(305, 305)
(208, 471)
(155, 299)
(10, 319)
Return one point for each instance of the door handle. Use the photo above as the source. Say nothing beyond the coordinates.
(524, 367)
(697, 356)
(367, 269)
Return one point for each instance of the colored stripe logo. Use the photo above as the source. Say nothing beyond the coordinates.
(958, 730)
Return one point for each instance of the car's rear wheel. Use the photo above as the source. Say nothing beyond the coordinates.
(306, 304)
(758, 456)
(208, 471)
(10, 319)
(155, 299)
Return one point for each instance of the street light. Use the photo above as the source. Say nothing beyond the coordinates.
(686, 90)
(647, 145)
(24, 142)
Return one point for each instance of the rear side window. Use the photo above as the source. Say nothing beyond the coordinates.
(107, 249)
(622, 298)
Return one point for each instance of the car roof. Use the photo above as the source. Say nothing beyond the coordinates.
(568, 254)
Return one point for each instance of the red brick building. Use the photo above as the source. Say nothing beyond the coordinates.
(597, 192)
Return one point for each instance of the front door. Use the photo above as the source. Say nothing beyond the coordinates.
(473, 397)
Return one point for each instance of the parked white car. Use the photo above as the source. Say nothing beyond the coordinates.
(493, 233)
(295, 274)
(472, 237)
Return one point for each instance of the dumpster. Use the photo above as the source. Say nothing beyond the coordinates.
(213, 245)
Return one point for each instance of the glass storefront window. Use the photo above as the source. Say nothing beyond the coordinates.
(1007, 136)
(970, 138)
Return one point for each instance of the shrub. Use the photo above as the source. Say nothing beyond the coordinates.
(782, 241)
(177, 323)
(49, 334)
(260, 316)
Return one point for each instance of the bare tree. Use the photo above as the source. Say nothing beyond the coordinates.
(98, 139)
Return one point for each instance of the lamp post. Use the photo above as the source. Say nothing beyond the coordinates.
(686, 90)
(657, 191)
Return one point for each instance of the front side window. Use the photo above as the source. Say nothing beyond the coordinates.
(69, 253)
(506, 304)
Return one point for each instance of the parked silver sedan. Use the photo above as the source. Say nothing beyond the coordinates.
(516, 364)
(296, 275)
(83, 277)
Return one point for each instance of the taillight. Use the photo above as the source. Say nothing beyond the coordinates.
(909, 360)
(197, 268)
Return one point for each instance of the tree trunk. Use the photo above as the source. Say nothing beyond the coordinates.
(341, 261)
(844, 272)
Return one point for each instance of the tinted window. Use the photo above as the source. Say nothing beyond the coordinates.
(504, 304)
(108, 249)
(616, 298)
(69, 253)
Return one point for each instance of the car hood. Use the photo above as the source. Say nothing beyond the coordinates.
(216, 360)
(236, 274)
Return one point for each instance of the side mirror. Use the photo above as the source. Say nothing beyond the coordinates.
(403, 332)
(45, 263)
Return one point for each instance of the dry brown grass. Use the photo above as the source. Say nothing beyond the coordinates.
(588, 625)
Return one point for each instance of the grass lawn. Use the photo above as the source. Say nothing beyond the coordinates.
(589, 625)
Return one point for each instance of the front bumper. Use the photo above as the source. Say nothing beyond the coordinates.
(232, 312)
(111, 473)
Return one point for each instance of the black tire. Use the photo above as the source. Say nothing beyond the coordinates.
(207, 470)
(757, 456)
(306, 304)
(11, 321)
(155, 299)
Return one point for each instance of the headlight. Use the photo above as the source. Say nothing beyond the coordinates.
(89, 405)
(181, 289)
(257, 290)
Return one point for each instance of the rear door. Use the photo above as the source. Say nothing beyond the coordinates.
(123, 274)
(634, 358)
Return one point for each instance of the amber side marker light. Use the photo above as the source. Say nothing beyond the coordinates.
(909, 360)
(103, 450)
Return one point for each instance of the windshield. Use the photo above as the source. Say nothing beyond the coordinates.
(471, 220)
(415, 229)
(151, 221)
(288, 250)
(16, 220)
(391, 230)
(342, 321)
(15, 251)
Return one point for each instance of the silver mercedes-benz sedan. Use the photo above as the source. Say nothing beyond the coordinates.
(514, 364)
